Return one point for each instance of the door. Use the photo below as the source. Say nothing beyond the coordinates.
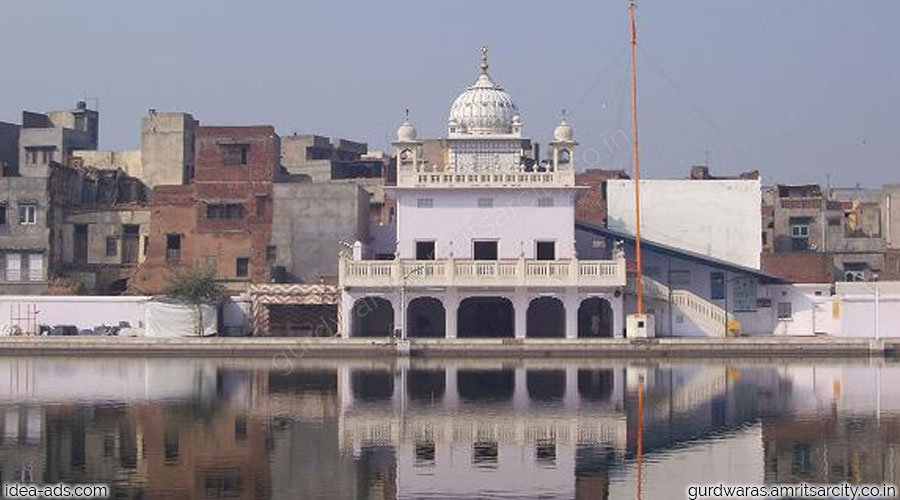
(130, 242)
(80, 244)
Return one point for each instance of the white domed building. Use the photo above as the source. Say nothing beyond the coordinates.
(485, 237)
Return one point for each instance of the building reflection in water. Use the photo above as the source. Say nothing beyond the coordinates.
(370, 429)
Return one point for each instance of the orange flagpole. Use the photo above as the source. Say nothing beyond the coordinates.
(639, 274)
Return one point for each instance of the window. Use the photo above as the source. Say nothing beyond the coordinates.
(2, 215)
(834, 221)
(112, 246)
(485, 202)
(224, 211)
(271, 253)
(235, 154)
(173, 247)
(35, 267)
(425, 250)
(545, 202)
(27, 213)
(799, 233)
(484, 250)
(39, 155)
(261, 202)
(717, 285)
(545, 250)
(679, 278)
(13, 267)
(765, 238)
(424, 202)
(242, 267)
(785, 311)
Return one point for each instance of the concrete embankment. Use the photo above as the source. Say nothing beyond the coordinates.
(457, 348)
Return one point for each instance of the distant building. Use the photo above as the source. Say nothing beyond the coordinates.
(591, 204)
(854, 227)
(222, 220)
(33, 190)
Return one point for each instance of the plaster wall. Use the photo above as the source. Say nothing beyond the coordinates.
(455, 219)
(716, 218)
(309, 222)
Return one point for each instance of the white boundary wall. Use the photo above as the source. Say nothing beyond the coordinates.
(82, 311)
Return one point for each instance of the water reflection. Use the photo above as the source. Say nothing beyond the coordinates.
(367, 429)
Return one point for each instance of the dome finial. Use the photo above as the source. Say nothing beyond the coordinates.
(484, 61)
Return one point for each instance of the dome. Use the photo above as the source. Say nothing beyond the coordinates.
(563, 132)
(406, 132)
(484, 108)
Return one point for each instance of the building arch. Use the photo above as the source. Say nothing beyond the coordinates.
(485, 317)
(546, 318)
(372, 317)
(426, 317)
(595, 318)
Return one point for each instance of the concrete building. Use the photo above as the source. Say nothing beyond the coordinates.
(716, 218)
(691, 294)
(9, 149)
(104, 231)
(309, 224)
(165, 155)
(222, 220)
(52, 137)
(33, 190)
(322, 159)
(484, 238)
(851, 226)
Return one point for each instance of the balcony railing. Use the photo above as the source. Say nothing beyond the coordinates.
(482, 273)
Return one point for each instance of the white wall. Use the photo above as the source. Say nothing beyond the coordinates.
(516, 220)
(81, 311)
(857, 305)
(719, 219)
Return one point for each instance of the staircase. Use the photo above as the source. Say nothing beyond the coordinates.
(710, 317)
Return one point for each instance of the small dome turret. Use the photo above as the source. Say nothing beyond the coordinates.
(563, 132)
(406, 132)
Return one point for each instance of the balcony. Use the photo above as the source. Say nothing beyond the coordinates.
(482, 273)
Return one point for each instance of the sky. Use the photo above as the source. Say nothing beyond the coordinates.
(802, 90)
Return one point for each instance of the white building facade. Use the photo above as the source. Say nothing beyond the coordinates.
(485, 238)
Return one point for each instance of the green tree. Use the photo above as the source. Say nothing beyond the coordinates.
(196, 287)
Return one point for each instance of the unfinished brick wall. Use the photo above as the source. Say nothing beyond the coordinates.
(591, 204)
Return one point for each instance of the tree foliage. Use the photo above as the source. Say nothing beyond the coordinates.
(195, 286)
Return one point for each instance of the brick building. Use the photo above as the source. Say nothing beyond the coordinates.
(222, 219)
(591, 204)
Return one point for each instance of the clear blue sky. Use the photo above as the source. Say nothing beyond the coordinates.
(798, 89)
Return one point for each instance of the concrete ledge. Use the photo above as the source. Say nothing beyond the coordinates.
(330, 347)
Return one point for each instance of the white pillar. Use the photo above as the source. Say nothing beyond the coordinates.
(451, 305)
(618, 308)
(571, 302)
(520, 304)
(346, 311)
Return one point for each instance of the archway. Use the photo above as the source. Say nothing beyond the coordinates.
(485, 317)
(425, 317)
(595, 318)
(595, 385)
(546, 318)
(372, 317)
